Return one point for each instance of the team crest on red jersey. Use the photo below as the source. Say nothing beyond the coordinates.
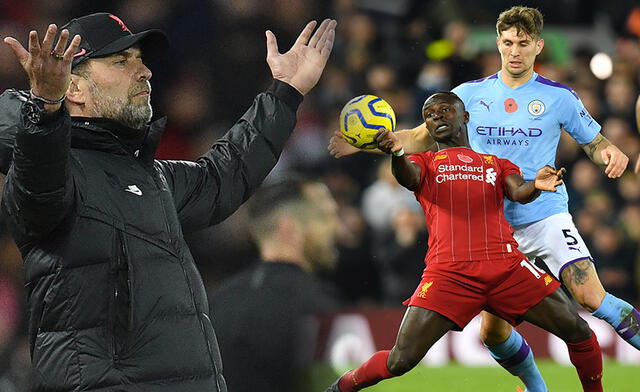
(488, 159)
(424, 289)
(465, 158)
(440, 156)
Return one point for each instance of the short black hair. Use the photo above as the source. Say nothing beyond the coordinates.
(449, 93)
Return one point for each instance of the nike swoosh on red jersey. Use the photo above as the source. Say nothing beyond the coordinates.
(80, 53)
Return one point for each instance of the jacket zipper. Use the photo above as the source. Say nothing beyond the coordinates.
(114, 310)
(120, 260)
(158, 183)
(160, 187)
(164, 218)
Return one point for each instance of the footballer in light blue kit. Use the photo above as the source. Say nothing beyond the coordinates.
(524, 125)
(519, 115)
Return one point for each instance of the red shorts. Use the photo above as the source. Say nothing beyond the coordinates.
(460, 290)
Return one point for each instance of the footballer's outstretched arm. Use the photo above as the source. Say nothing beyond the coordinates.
(406, 172)
(604, 153)
(414, 140)
(547, 179)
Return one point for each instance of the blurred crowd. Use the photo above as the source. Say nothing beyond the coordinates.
(402, 51)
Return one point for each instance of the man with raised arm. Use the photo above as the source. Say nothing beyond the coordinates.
(115, 301)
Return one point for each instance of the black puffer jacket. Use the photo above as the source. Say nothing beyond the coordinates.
(115, 301)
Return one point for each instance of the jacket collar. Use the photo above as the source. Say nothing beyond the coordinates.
(106, 135)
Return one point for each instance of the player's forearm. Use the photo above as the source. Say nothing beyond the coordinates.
(594, 149)
(406, 173)
(519, 190)
(415, 140)
(527, 192)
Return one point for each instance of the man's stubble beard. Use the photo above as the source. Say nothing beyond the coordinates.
(122, 110)
(321, 256)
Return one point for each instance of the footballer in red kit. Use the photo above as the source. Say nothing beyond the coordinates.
(448, 179)
(473, 263)
(462, 194)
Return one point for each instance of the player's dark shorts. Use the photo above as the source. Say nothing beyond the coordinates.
(460, 290)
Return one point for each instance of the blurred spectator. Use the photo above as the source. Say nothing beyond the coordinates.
(14, 348)
(381, 198)
(260, 313)
(584, 178)
(629, 188)
(591, 101)
(630, 216)
(354, 245)
(382, 80)
(587, 222)
(188, 112)
(601, 204)
(615, 261)
(616, 129)
(359, 48)
(489, 62)
(461, 61)
(434, 76)
(620, 96)
(334, 88)
(401, 255)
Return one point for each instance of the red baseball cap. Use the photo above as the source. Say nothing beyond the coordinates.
(104, 34)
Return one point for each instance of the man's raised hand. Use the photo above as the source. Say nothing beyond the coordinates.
(48, 67)
(303, 64)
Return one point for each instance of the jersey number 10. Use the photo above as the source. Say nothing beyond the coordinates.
(534, 269)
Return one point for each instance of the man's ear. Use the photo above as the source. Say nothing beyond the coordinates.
(288, 228)
(78, 88)
(539, 46)
(466, 117)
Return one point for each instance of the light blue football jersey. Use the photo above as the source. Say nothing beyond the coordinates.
(524, 126)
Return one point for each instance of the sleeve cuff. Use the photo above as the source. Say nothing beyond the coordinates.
(50, 120)
(286, 93)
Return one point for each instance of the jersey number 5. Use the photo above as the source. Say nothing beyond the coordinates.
(571, 240)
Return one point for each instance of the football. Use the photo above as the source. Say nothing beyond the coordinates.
(362, 117)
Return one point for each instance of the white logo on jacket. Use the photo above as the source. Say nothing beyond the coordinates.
(133, 189)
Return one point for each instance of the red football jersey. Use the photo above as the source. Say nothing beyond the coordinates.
(461, 193)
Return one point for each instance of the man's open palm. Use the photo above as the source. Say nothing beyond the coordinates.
(303, 64)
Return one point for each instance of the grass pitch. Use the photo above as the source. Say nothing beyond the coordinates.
(457, 378)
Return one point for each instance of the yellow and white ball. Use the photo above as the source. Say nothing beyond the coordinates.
(362, 117)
